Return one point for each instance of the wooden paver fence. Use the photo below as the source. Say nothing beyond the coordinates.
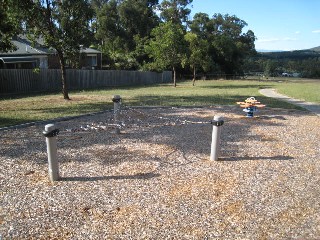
(26, 80)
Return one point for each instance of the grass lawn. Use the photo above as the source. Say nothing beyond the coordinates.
(307, 91)
(22, 109)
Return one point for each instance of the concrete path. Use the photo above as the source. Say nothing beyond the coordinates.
(312, 107)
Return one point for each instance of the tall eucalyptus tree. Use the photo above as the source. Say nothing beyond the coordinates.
(122, 27)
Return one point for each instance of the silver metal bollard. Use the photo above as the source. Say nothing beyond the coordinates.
(216, 131)
(116, 111)
(51, 133)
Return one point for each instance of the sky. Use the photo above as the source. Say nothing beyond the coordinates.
(278, 24)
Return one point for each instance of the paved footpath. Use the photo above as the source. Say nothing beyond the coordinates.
(312, 107)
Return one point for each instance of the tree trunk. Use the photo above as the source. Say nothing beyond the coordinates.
(63, 76)
(174, 77)
(194, 76)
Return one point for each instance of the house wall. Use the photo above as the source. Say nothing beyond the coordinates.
(24, 62)
(85, 64)
(43, 62)
(99, 60)
(21, 65)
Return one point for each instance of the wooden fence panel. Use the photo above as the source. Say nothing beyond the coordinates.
(26, 80)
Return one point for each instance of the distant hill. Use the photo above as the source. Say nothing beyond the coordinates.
(316, 49)
(297, 54)
(305, 63)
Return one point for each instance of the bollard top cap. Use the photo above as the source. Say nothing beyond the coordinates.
(116, 98)
(50, 130)
(217, 121)
(217, 118)
(49, 127)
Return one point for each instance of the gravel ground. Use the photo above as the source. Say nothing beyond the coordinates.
(155, 179)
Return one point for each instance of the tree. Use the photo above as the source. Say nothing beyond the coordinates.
(64, 26)
(230, 45)
(167, 47)
(201, 25)
(111, 34)
(121, 26)
(198, 56)
(199, 39)
(310, 67)
(175, 11)
(137, 17)
(270, 68)
(10, 24)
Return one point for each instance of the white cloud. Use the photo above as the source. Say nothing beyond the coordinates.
(264, 40)
(297, 32)
(289, 39)
(316, 31)
(269, 40)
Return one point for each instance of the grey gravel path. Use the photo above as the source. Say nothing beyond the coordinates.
(312, 107)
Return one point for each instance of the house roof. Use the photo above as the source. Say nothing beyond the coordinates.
(89, 50)
(25, 48)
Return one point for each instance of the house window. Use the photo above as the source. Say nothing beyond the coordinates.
(43, 63)
(92, 60)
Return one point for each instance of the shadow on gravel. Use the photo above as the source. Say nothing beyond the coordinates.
(276, 158)
(205, 100)
(183, 131)
(141, 176)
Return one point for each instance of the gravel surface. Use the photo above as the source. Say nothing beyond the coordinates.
(155, 179)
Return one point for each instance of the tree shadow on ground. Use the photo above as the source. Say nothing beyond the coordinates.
(141, 100)
(141, 176)
(276, 158)
(205, 100)
(153, 129)
(183, 133)
(225, 86)
(14, 121)
(74, 109)
(55, 112)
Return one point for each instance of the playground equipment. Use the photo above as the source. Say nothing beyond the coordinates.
(250, 106)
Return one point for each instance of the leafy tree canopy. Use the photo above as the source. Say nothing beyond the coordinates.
(10, 24)
(129, 34)
(64, 26)
(119, 24)
(167, 47)
(198, 53)
(175, 11)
